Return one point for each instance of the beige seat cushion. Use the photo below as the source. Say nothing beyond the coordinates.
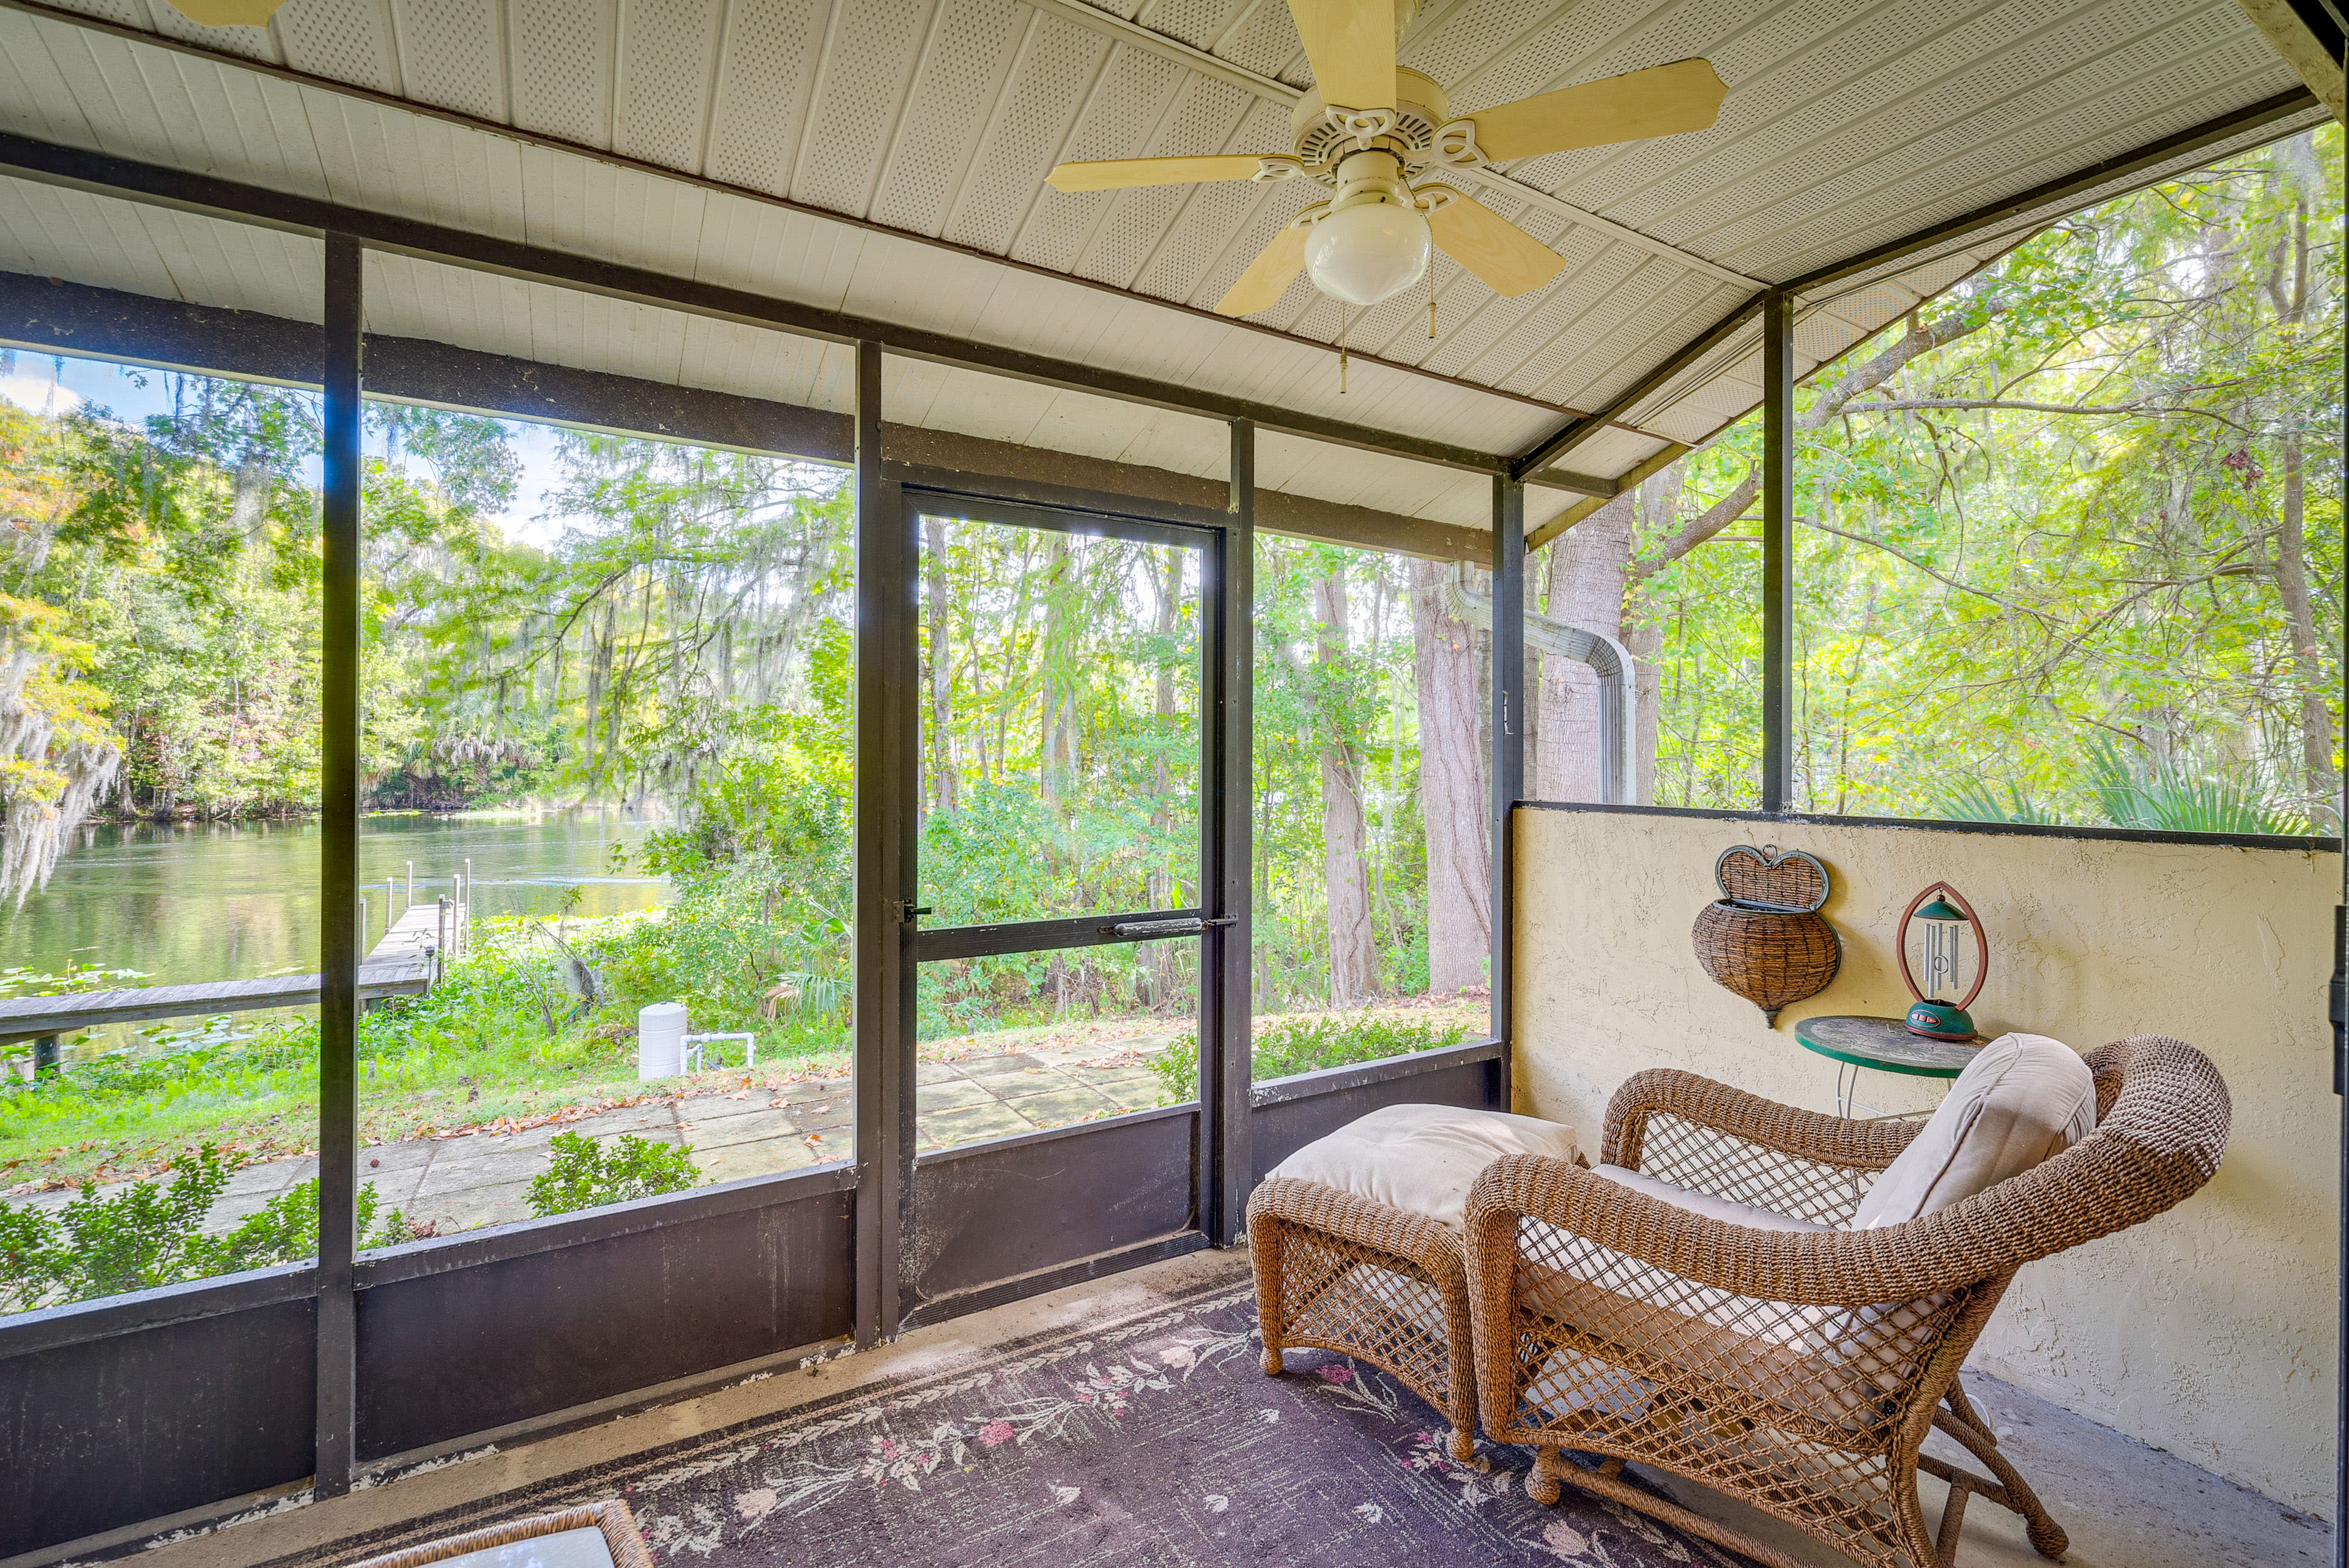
(1421, 1159)
(2023, 1098)
(1728, 1210)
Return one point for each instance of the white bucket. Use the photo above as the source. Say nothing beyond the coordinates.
(660, 1040)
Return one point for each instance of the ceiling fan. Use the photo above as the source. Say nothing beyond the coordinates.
(1374, 131)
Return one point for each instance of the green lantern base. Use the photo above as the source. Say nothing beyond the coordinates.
(1940, 1021)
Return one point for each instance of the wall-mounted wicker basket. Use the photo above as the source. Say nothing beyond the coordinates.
(1764, 938)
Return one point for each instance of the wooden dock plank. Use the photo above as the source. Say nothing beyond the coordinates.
(398, 966)
(29, 1018)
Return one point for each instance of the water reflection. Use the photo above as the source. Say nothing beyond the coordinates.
(240, 901)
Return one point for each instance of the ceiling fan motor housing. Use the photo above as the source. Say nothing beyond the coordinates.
(1420, 108)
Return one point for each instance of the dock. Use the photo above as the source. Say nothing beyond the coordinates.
(403, 964)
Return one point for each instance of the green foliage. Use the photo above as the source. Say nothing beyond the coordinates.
(1285, 1047)
(2105, 509)
(584, 1174)
(2133, 793)
(1976, 800)
(148, 1235)
(1347, 696)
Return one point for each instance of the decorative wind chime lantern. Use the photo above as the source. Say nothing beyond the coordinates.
(1945, 914)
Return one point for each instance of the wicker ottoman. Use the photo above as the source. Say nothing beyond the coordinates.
(1358, 1247)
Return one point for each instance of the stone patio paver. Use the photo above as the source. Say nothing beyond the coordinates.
(464, 1181)
(957, 1094)
(980, 1122)
(762, 1126)
(1061, 1108)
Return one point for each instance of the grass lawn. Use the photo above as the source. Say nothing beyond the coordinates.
(458, 1060)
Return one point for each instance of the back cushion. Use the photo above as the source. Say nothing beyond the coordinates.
(2024, 1097)
(1421, 1159)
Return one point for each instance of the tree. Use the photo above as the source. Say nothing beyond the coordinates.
(2094, 492)
(1452, 788)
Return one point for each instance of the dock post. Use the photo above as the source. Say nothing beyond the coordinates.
(44, 1056)
(441, 944)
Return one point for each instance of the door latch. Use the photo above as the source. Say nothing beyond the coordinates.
(1174, 926)
(909, 911)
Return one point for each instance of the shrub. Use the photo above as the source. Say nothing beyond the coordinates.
(1288, 1046)
(584, 1174)
(149, 1235)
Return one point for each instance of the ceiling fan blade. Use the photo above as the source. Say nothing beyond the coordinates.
(1351, 44)
(1510, 261)
(1268, 277)
(1121, 173)
(1683, 95)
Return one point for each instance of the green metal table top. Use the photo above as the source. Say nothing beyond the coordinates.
(1885, 1045)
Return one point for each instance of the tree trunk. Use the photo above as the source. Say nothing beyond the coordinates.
(1590, 569)
(1353, 960)
(2322, 782)
(1169, 583)
(2319, 779)
(1585, 590)
(1451, 790)
(1058, 740)
(934, 569)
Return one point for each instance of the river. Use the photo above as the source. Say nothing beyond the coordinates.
(185, 902)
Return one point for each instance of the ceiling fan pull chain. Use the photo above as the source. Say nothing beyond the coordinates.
(1344, 316)
(1431, 300)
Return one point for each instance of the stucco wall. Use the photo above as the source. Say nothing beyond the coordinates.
(2207, 1331)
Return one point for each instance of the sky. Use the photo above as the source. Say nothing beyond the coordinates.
(48, 385)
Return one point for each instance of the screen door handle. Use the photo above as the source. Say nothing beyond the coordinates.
(1182, 926)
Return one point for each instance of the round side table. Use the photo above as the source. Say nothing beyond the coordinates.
(1883, 1043)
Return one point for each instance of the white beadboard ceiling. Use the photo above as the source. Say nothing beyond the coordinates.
(885, 158)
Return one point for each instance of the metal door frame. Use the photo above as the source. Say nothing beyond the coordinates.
(892, 500)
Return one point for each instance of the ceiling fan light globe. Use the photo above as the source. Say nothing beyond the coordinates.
(1363, 254)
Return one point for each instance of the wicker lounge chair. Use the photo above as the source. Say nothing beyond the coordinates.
(1798, 1372)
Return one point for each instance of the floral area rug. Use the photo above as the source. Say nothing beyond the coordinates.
(1152, 1443)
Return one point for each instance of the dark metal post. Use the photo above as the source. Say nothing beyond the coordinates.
(1228, 1004)
(887, 736)
(338, 880)
(2340, 1066)
(1777, 552)
(1509, 747)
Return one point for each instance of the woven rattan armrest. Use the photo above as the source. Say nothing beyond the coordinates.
(1788, 1129)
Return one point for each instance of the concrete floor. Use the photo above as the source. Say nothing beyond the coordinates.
(2126, 1505)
